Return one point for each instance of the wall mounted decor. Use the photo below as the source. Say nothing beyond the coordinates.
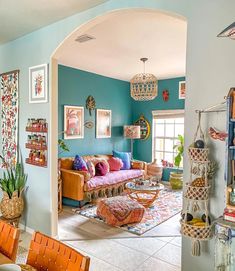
(73, 122)
(228, 32)
(182, 89)
(165, 95)
(37, 142)
(38, 84)
(103, 123)
(89, 124)
(90, 103)
(9, 116)
(144, 127)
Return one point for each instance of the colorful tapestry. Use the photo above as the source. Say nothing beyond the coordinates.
(9, 116)
(168, 204)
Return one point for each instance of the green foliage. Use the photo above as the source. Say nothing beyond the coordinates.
(63, 147)
(14, 179)
(179, 147)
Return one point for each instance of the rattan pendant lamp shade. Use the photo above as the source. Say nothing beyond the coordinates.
(144, 85)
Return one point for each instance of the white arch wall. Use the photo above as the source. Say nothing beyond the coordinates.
(209, 72)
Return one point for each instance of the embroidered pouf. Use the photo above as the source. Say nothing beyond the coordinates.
(120, 210)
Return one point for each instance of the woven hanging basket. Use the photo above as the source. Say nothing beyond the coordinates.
(197, 193)
(12, 207)
(196, 232)
(198, 154)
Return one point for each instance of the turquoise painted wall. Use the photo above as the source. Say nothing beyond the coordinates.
(143, 148)
(74, 88)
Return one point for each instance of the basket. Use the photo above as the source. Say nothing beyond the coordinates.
(197, 193)
(198, 154)
(195, 232)
(12, 207)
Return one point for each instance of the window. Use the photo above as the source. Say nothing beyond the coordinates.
(167, 125)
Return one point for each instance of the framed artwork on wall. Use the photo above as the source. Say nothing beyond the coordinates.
(73, 122)
(182, 89)
(103, 123)
(144, 127)
(38, 84)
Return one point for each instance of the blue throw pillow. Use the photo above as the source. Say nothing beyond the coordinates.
(125, 157)
(79, 163)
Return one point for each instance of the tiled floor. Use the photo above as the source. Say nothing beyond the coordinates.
(113, 249)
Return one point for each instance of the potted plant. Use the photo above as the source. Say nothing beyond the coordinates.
(176, 177)
(13, 184)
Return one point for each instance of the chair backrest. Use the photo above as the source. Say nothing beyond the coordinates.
(9, 240)
(48, 254)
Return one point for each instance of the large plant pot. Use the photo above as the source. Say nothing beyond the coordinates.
(176, 180)
(12, 207)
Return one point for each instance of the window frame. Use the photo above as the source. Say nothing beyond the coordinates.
(163, 114)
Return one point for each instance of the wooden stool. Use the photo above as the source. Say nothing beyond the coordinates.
(13, 221)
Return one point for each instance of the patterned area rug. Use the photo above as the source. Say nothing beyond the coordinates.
(168, 204)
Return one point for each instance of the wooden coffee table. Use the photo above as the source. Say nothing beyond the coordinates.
(144, 194)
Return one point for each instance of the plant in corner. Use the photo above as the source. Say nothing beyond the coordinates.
(176, 178)
(13, 184)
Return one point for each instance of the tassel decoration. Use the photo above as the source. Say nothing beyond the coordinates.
(196, 248)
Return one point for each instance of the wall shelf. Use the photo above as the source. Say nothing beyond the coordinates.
(35, 147)
(36, 130)
(34, 163)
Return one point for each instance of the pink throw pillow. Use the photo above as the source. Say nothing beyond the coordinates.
(91, 168)
(101, 169)
(115, 163)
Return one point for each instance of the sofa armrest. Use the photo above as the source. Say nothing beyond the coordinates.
(136, 164)
(72, 184)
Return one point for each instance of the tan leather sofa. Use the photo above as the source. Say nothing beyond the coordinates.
(78, 185)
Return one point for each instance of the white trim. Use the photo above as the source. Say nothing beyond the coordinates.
(25, 228)
(168, 113)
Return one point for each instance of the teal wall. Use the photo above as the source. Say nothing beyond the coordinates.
(74, 88)
(143, 148)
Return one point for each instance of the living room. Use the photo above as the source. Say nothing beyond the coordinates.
(207, 56)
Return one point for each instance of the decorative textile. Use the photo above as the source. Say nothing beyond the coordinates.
(101, 169)
(98, 160)
(168, 204)
(9, 114)
(79, 163)
(115, 163)
(125, 157)
(120, 210)
(91, 168)
(112, 178)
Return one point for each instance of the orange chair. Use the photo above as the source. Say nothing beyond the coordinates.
(48, 254)
(9, 240)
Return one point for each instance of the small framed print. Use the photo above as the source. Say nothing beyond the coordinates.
(73, 122)
(38, 84)
(182, 89)
(103, 123)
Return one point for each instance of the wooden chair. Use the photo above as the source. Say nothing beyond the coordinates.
(9, 240)
(48, 254)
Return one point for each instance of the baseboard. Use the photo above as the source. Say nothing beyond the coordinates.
(27, 229)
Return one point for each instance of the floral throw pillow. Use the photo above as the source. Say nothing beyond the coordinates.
(79, 163)
(91, 168)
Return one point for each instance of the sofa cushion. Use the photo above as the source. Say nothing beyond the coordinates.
(115, 163)
(125, 157)
(98, 160)
(79, 163)
(101, 169)
(91, 168)
(112, 178)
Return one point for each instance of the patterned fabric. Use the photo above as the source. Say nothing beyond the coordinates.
(79, 163)
(168, 204)
(120, 210)
(112, 178)
(115, 163)
(125, 157)
(91, 168)
(101, 169)
(9, 115)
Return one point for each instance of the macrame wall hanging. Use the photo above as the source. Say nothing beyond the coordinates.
(196, 222)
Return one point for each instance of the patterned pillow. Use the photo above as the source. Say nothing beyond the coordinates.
(91, 168)
(115, 163)
(79, 163)
(125, 157)
(101, 169)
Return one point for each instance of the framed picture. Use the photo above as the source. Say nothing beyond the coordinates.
(182, 89)
(73, 122)
(103, 123)
(38, 84)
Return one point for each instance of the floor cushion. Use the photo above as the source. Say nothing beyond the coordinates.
(120, 210)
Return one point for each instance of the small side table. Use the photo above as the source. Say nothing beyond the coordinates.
(13, 221)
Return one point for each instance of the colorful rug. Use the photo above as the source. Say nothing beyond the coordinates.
(168, 204)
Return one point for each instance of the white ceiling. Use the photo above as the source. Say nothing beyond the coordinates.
(19, 17)
(122, 38)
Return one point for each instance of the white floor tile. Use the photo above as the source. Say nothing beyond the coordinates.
(153, 264)
(176, 241)
(170, 253)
